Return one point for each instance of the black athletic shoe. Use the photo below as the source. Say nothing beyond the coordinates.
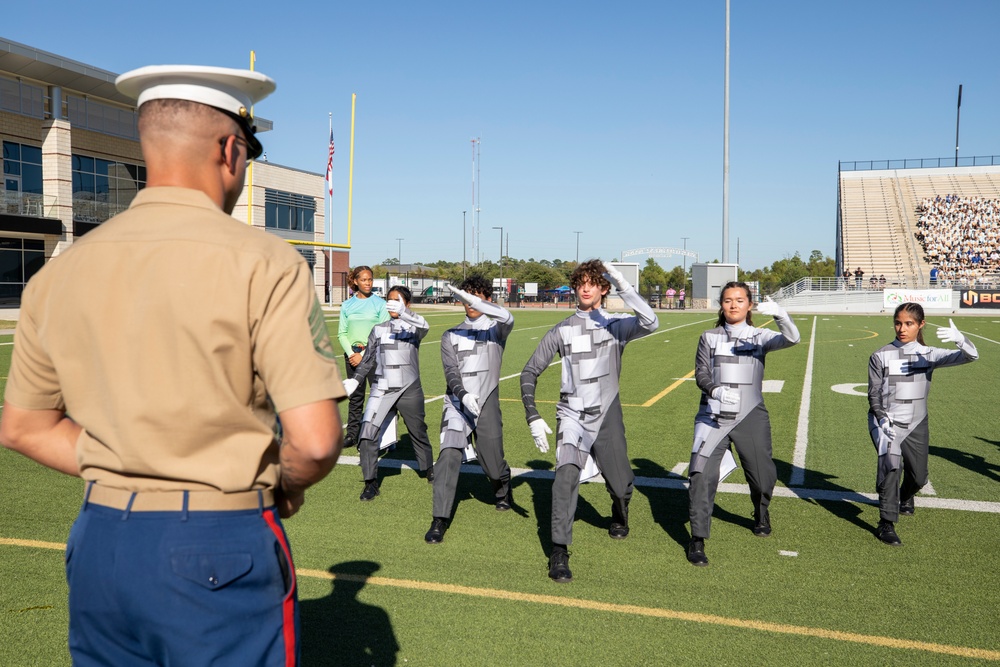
(906, 507)
(506, 502)
(350, 441)
(618, 531)
(887, 533)
(762, 526)
(559, 567)
(436, 534)
(371, 490)
(696, 552)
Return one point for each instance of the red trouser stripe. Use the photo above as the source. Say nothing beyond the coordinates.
(288, 605)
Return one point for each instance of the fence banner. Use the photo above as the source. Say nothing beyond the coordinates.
(980, 299)
(928, 298)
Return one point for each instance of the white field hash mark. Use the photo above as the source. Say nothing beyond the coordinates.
(802, 431)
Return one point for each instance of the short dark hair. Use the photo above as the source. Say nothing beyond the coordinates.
(477, 285)
(403, 290)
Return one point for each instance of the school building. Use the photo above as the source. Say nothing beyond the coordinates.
(71, 160)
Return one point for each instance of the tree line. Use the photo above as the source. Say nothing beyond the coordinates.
(550, 274)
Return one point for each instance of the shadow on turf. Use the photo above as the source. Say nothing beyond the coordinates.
(973, 462)
(848, 511)
(339, 629)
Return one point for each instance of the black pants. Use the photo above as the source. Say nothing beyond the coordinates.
(356, 404)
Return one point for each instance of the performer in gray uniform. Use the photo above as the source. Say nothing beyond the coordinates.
(899, 380)
(393, 350)
(589, 413)
(471, 354)
(729, 370)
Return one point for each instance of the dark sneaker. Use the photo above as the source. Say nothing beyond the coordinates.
(436, 534)
(696, 552)
(762, 526)
(506, 502)
(371, 490)
(618, 531)
(906, 507)
(559, 567)
(887, 533)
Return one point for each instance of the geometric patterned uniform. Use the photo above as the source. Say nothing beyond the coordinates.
(732, 356)
(899, 381)
(177, 401)
(394, 352)
(588, 414)
(357, 317)
(472, 353)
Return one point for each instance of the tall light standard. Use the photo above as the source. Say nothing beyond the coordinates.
(399, 256)
(463, 245)
(685, 239)
(501, 263)
(578, 246)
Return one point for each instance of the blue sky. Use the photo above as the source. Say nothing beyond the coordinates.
(604, 118)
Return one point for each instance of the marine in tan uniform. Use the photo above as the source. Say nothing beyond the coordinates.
(154, 359)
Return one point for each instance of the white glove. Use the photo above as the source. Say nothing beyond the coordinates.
(886, 426)
(350, 385)
(771, 308)
(615, 277)
(395, 306)
(538, 430)
(465, 297)
(471, 403)
(950, 334)
(726, 395)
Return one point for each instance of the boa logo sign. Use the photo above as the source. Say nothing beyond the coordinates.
(974, 299)
(928, 298)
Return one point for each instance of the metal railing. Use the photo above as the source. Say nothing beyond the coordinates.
(88, 210)
(921, 163)
(25, 203)
(850, 285)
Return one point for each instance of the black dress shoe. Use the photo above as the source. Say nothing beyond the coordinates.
(762, 527)
(429, 475)
(559, 567)
(887, 533)
(436, 534)
(506, 502)
(906, 507)
(618, 531)
(350, 441)
(371, 490)
(696, 552)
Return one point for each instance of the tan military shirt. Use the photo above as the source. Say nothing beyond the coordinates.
(172, 334)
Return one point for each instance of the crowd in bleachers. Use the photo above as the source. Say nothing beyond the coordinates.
(960, 236)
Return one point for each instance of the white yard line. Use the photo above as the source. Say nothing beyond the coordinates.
(802, 431)
(505, 377)
(680, 483)
(966, 333)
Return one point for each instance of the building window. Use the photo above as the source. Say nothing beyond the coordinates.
(289, 211)
(19, 260)
(90, 115)
(22, 179)
(102, 188)
(22, 98)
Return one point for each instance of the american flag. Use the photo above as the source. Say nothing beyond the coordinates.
(329, 167)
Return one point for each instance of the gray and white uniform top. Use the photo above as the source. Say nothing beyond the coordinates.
(899, 381)
(590, 345)
(394, 349)
(471, 354)
(732, 356)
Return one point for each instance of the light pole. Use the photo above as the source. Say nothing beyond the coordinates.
(463, 245)
(399, 255)
(685, 239)
(501, 263)
(578, 246)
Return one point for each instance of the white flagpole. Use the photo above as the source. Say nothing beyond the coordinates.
(329, 226)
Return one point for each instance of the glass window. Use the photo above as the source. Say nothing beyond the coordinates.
(34, 244)
(31, 178)
(32, 154)
(33, 262)
(10, 266)
(11, 151)
(271, 215)
(9, 243)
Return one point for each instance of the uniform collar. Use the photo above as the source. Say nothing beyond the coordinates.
(174, 195)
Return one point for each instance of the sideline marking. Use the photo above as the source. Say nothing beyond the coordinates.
(798, 476)
(628, 609)
(669, 389)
